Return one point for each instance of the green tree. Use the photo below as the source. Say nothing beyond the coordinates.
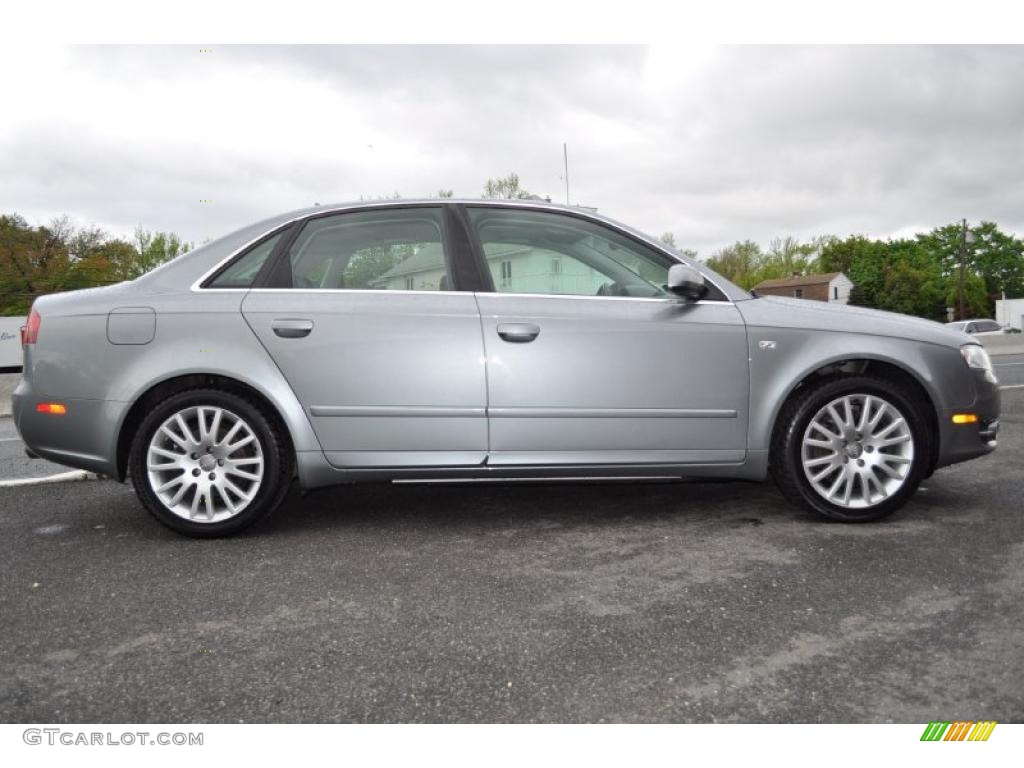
(33, 260)
(839, 255)
(370, 263)
(989, 254)
(151, 250)
(787, 257)
(977, 302)
(505, 188)
(913, 289)
(738, 262)
(62, 257)
(860, 259)
(999, 259)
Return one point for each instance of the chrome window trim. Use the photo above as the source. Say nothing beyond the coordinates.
(467, 293)
(508, 204)
(668, 299)
(196, 286)
(370, 291)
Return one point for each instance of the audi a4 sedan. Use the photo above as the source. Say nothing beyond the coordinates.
(470, 340)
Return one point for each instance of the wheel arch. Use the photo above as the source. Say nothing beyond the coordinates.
(179, 383)
(878, 366)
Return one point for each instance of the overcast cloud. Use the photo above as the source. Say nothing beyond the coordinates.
(714, 144)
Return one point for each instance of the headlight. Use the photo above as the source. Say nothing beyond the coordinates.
(976, 357)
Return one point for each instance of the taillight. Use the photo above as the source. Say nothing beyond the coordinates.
(30, 331)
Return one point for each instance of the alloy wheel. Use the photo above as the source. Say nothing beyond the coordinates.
(857, 451)
(205, 464)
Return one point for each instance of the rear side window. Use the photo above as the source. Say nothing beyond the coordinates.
(394, 250)
(242, 272)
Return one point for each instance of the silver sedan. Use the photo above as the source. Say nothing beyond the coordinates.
(469, 340)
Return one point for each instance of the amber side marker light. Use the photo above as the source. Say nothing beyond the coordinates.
(965, 418)
(56, 409)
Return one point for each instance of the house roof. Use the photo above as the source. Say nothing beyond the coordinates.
(796, 282)
(428, 257)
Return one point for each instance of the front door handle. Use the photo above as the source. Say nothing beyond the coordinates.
(291, 328)
(518, 332)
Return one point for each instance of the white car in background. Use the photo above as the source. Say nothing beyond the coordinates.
(981, 327)
(10, 344)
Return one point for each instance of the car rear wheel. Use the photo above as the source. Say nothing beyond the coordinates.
(853, 448)
(207, 463)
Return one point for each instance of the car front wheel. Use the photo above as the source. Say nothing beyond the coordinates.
(853, 448)
(208, 463)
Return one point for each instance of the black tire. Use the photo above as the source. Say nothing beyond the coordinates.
(786, 463)
(276, 452)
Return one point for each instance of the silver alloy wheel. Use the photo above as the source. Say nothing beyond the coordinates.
(205, 464)
(857, 451)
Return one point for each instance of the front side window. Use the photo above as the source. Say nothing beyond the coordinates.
(395, 249)
(549, 253)
(242, 272)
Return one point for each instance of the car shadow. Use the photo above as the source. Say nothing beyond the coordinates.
(515, 504)
(493, 505)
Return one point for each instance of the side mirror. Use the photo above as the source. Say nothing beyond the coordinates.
(687, 282)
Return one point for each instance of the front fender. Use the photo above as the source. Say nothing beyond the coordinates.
(782, 358)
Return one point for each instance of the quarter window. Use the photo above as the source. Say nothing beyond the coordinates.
(396, 249)
(242, 272)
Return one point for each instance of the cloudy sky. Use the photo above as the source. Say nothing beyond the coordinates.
(714, 144)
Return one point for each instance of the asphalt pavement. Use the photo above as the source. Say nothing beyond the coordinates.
(1009, 370)
(598, 602)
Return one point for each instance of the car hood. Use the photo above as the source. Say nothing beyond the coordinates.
(781, 312)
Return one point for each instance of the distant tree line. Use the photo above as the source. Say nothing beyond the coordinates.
(62, 257)
(915, 276)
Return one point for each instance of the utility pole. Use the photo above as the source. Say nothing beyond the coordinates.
(565, 155)
(963, 266)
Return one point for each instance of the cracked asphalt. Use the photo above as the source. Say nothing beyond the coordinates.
(602, 602)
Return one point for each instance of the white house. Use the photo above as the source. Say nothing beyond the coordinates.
(515, 269)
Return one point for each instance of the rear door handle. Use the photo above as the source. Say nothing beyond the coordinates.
(290, 328)
(518, 332)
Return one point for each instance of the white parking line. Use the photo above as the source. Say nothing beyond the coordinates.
(61, 477)
(1005, 365)
(1013, 386)
(10, 439)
